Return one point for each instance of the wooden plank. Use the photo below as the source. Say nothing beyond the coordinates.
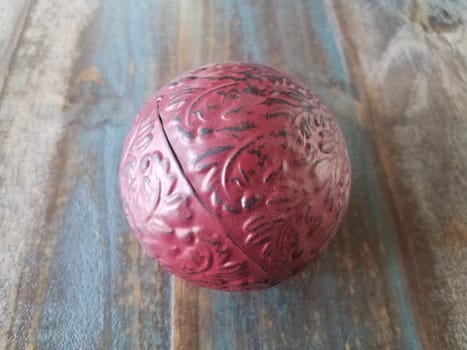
(72, 275)
(31, 125)
(12, 17)
(412, 75)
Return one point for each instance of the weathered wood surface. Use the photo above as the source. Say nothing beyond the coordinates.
(73, 277)
(12, 16)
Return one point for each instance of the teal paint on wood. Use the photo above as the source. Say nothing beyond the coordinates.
(125, 55)
(89, 262)
(252, 44)
(328, 39)
(72, 313)
(409, 329)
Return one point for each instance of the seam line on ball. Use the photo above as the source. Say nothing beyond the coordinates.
(179, 164)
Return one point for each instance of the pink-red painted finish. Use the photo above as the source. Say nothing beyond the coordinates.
(234, 176)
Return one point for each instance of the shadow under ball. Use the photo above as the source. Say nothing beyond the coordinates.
(234, 176)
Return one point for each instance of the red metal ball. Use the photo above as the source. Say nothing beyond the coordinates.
(234, 176)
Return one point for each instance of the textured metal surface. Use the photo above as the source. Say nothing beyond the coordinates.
(234, 176)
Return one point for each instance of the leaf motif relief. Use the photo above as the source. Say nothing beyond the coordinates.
(209, 98)
(322, 171)
(215, 271)
(224, 256)
(143, 134)
(155, 224)
(224, 267)
(327, 142)
(286, 199)
(200, 261)
(129, 171)
(158, 196)
(233, 176)
(262, 229)
(233, 265)
(306, 127)
(235, 270)
(191, 260)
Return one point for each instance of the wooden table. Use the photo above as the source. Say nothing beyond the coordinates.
(73, 75)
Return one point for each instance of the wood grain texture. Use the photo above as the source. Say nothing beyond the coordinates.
(12, 17)
(413, 79)
(72, 276)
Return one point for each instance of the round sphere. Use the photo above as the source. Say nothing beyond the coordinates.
(234, 176)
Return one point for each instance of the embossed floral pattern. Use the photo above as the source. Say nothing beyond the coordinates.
(234, 176)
